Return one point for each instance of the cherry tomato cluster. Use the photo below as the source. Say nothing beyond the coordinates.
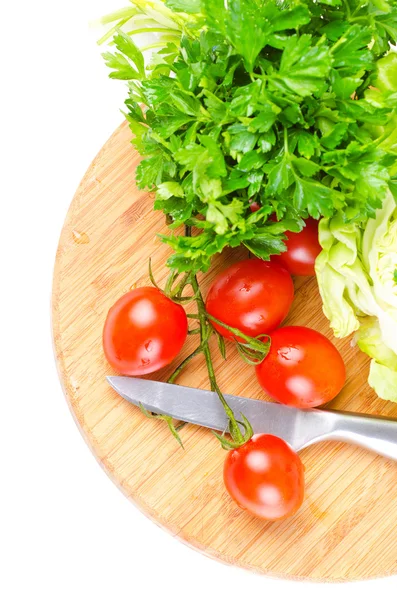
(145, 330)
(255, 297)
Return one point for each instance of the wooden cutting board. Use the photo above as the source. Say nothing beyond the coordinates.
(346, 529)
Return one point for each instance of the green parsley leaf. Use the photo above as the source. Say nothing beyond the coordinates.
(244, 141)
(334, 136)
(265, 245)
(290, 104)
(250, 24)
(306, 167)
(127, 47)
(187, 6)
(303, 66)
(251, 161)
(344, 87)
(168, 189)
(149, 172)
(121, 67)
(279, 177)
(351, 54)
(307, 144)
(315, 198)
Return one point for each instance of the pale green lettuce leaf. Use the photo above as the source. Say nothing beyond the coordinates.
(338, 310)
(357, 277)
(380, 260)
(383, 381)
(383, 369)
(343, 283)
(356, 272)
(369, 340)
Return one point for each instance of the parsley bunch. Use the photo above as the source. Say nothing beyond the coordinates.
(257, 100)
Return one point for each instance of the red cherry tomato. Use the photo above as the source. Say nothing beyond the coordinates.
(144, 331)
(303, 368)
(254, 206)
(253, 296)
(302, 250)
(265, 477)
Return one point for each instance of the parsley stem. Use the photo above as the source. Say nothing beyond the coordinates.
(119, 15)
(153, 46)
(179, 288)
(341, 40)
(382, 138)
(113, 30)
(153, 30)
(285, 140)
(347, 7)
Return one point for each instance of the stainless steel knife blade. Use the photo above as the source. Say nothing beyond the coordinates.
(300, 428)
(201, 407)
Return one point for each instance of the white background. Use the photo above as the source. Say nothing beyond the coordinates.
(65, 530)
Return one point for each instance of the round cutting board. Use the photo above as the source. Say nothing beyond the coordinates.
(346, 528)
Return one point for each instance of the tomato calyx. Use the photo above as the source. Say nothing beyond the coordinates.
(238, 438)
(253, 350)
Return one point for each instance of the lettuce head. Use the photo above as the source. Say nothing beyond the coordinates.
(357, 277)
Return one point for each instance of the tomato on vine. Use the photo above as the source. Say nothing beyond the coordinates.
(303, 368)
(252, 296)
(265, 477)
(144, 331)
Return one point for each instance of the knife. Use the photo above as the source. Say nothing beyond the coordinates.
(299, 427)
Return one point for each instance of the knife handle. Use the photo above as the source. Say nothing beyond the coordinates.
(378, 434)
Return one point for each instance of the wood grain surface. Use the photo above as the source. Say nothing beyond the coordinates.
(346, 529)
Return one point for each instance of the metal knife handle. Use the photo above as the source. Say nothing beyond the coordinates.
(374, 433)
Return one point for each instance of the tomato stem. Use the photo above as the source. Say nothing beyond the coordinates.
(176, 293)
(205, 332)
(183, 364)
(174, 430)
(194, 331)
(252, 346)
(170, 282)
(151, 276)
